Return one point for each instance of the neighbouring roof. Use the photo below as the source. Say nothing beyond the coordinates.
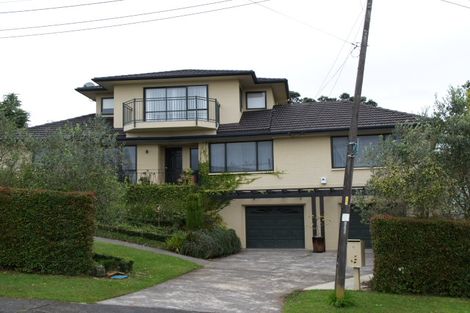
(47, 129)
(282, 119)
(313, 117)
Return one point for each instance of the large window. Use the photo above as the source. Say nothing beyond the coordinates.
(176, 103)
(365, 147)
(241, 156)
(129, 163)
(107, 106)
(256, 100)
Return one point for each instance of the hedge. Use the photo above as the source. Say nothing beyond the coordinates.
(161, 205)
(430, 256)
(46, 231)
(135, 231)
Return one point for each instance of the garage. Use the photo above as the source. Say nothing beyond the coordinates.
(275, 227)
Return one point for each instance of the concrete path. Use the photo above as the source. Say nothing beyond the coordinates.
(38, 306)
(251, 281)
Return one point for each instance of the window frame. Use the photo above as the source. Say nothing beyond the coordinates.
(384, 137)
(101, 109)
(256, 151)
(135, 170)
(191, 158)
(265, 99)
(166, 98)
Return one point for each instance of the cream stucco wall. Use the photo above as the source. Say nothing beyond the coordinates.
(227, 92)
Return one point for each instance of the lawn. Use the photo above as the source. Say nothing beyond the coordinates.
(317, 301)
(149, 269)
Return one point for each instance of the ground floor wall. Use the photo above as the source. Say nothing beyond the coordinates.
(234, 216)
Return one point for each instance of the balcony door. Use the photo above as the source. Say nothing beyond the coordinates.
(173, 164)
(176, 103)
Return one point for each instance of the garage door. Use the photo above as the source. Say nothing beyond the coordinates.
(275, 227)
(359, 230)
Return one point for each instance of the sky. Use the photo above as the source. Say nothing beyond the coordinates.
(417, 48)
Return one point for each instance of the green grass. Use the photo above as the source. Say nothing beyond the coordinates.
(316, 301)
(149, 269)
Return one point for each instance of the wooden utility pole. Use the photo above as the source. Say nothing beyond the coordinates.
(348, 172)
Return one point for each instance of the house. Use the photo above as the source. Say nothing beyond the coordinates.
(241, 123)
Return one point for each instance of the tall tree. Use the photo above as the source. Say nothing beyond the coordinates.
(10, 107)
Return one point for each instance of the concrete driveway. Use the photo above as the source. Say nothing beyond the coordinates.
(251, 281)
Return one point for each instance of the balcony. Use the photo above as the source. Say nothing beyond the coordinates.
(171, 113)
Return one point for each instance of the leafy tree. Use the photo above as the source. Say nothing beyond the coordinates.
(426, 169)
(10, 107)
(81, 157)
(294, 97)
(13, 150)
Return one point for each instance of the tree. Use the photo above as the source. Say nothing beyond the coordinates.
(294, 97)
(10, 107)
(425, 167)
(82, 157)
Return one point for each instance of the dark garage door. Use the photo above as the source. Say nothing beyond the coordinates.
(358, 230)
(275, 227)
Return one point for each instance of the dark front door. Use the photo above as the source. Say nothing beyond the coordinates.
(173, 164)
(275, 227)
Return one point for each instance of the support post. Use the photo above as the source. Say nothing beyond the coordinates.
(348, 172)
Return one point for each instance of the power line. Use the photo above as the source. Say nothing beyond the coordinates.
(130, 23)
(325, 81)
(341, 71)
(115, 17)
(457, 4)
(60, 7)
(302, 22)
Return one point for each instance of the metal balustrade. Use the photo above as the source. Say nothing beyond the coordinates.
(167, 109)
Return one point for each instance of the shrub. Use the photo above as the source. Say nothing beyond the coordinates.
(208, 244)
(144, 231)
(423, 256)
(162, 205)
(195, 212)
(176, 241)
(46, 231)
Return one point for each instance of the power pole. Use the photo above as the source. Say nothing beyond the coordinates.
(348, 172)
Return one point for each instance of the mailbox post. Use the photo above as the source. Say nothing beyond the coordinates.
(356, 259)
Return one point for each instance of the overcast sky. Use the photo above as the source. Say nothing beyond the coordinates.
(417, 48)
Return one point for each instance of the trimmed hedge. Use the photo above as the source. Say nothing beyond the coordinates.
(46, 231)
(421, 256)
(209, 244)
(135, 231)
(160, 205)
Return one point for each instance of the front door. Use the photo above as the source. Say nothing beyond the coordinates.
(173, 164)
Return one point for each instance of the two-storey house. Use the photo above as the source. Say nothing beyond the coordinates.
(241, 123)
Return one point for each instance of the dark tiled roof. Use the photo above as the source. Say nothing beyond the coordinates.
(45, 130)
(314, 117)
(188, 73)
(90, 88)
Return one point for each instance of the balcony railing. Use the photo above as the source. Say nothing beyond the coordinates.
(190, 108)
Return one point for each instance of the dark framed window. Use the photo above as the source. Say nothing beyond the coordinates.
(194, 159)
(129, 163)
(107, 106)
(176, 103)
(256, 100)
(248, 156)
(365, 146)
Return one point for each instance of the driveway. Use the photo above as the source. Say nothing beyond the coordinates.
(251, 281)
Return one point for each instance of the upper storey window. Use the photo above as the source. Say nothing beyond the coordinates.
(107, 106)
(256, 100)
(176, 103)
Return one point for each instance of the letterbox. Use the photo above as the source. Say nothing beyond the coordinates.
(356, 253)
